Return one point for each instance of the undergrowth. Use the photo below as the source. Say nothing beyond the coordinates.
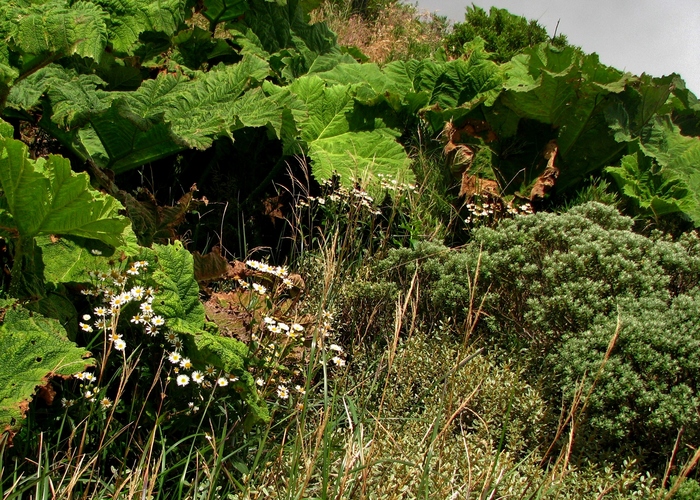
(389, 340)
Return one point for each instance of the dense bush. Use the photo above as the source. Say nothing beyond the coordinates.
(505, 34)
(552, 288)
(648, 389)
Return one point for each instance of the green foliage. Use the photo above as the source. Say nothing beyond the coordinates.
(178, 302)
(41, 199)
(73, 259)
(689, 489)
(53, 29)
(263, 65)
(662, 176)
(34, 349)
(46, 197)
(505, 34)
(128, 83)
(178, 292)
(341, 136)
(649, 387)
(553, 288)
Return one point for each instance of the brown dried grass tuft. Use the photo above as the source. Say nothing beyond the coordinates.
(398, 32)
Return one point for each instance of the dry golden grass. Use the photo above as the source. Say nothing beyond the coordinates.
(398, 32)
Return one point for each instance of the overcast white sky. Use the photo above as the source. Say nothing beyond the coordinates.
(656, 37)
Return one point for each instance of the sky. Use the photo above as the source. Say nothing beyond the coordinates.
(657, 37)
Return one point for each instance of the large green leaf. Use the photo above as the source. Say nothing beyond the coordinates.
(637, 179)
(172, 112)
(283, 25)
(224, 10)
(71, 259)
(344, 137)
(73, 96)
(664, 176)
(178, 292)
(196, 46)
(177, 300)
(128, 19)
(46, 197)
(6, 130)
(591, 110)
(122, 140)
(412, 85)
(230, 355)
(539, 84)
(33, 350)
(54, 28)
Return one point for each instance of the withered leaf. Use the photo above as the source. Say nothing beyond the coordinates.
(548, 179)
(211, 266)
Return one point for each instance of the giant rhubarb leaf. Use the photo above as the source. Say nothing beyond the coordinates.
(33, 350)
(46, 197)
(178, 302)
(663, 177)
(128, 19)
(342, 136)
(53, 29)
(178, 291)
(171, 113)
(73, 97)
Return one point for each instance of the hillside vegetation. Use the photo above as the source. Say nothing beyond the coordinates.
(304, 249)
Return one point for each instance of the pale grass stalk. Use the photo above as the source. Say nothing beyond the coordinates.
(317, 447)
(398, 323)
(354, 452)
(473, 316)
(574, 411)
(689, 466)
(673, 457)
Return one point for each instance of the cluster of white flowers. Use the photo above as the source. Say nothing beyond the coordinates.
(391, 184)
(481, 212)
(344, 197)
(524, 209)
(478, 211)
(275, 339)
(105, 316)
(115, 296)
(205, 379)
(279, 271)
(338, 353)
(90, 392)
(278, 327)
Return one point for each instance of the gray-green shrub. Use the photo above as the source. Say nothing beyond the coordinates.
(552, 288)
